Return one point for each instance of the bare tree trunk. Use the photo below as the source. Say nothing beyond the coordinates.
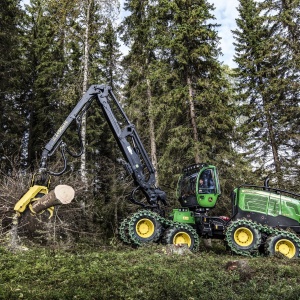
(84, 88)
(207, 242)
(152, 131)
(274, 148)
(193, 120)
(116, 198)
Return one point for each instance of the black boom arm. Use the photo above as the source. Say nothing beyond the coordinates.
(137, 161)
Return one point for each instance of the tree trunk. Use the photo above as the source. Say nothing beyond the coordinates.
(152, 130)
(274, 147)
(193, 121)
(84, 88)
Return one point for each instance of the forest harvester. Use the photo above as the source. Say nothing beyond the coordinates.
(263, 219)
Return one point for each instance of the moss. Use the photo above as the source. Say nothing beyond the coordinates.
(144, 273)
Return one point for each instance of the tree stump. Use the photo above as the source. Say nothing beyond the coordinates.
(241, 266)
(180, 249)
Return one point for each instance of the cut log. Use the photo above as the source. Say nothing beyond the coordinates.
(62, 194)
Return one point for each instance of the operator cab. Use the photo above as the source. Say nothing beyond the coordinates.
(199, 186)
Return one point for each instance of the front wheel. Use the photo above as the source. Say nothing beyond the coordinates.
(143, 227)
(123, 231)
(184, 235)
(286, 244)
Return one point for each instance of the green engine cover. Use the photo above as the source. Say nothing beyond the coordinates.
(267, 203)
(183, 215)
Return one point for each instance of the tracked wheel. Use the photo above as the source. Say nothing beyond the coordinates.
(144, 227)
(285, 243)
(243, 238)
(182, 235)
(123, 231)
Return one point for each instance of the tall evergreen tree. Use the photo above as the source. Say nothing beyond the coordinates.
(173, 62)
(109, 60)
(11, 84)
(44, 54)
(102, 148)
(197, 94)
(137, 29)
(268, 77)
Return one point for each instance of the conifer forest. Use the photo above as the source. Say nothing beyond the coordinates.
(186, 104)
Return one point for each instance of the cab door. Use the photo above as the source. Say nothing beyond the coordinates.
(208, 187)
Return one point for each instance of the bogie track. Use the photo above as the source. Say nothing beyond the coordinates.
(244, 237)
(146, 226)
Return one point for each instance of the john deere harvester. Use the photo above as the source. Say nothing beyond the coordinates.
(263, 220)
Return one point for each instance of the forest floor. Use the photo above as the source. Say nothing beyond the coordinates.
(148, 272)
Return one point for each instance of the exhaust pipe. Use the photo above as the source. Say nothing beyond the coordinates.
(266, 183)
(61, 195)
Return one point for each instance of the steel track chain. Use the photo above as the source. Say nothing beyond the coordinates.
(165, 222)
(263, 229)
(122, 231)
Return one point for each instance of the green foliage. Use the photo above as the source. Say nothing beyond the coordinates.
(11, 85)
(268, 85)
(145, 273)
(176, 81)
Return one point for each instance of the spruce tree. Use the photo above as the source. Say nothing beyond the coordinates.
(44, 54)
(197, 93)
(11, 85)
(267, 80)
(140, 65)
(173, 62)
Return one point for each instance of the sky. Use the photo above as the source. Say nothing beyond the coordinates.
(225, 13)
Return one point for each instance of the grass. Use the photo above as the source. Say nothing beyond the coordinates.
(144, 273)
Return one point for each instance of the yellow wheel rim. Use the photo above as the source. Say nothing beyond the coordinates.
(145, 228)
(182, 238)
(286, 247)
(243, 237)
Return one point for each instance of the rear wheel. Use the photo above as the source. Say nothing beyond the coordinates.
(143, 227)
(243, 238)
(177, 236)
(286, 244)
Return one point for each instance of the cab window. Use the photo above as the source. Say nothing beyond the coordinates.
(206, 184)
(188, 185)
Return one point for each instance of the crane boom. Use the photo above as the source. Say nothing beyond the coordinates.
(136, 160)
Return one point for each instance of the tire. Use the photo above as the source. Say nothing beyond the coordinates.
(123, 231)
(243, 238)
(143, 227)
(182, 235)
(285, 243)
